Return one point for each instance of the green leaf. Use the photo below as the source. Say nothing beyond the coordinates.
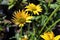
(1, 28)
(0, 1)
(10, 6)
(43, 20)
(37, 17)
(24, 1)
(53, 5)
(11, 3)
(58, 1)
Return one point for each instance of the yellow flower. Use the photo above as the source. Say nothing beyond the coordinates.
(57, 37)
(34, 8)
(25, 37)
(50, 36)
(21, 17)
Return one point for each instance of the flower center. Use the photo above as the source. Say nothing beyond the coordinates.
(22, 20)
(33, 9)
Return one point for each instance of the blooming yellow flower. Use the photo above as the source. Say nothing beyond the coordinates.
(21, 17)
(50, 36)
(34, 8)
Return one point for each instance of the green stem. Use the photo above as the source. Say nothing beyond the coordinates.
(49, 1)
(17, 36)
(28, 28)
(52, 25)
(33, 33)
(46, 8)
(21, 33)
(49, 18)
(34, 30)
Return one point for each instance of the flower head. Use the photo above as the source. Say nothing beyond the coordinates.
(21, 17)
(50, 36)
(34, 8)
(25, 37)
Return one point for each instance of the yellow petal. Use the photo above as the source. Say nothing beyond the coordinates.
(21, 25)
(17, 23)
(28, 21)
(28, 10)
(51, 34)
(35, 12)
(57, 37)
(45, 37)
(27, 7)
(30, 17)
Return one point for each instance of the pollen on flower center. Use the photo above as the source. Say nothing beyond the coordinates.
(33, 9)
(22, 20)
